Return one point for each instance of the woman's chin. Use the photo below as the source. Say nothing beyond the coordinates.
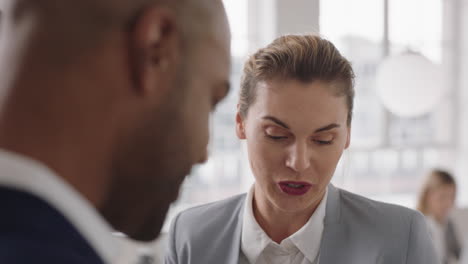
(293, 207)
(296, 204)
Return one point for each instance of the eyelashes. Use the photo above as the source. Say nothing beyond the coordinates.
(276, 137)
(323, 142)
(282, 138)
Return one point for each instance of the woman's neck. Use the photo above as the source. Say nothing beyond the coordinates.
(276, 223)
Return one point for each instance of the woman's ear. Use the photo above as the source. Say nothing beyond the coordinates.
(348, 137)
(240, 126)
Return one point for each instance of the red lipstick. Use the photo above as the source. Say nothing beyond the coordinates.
(294, 188)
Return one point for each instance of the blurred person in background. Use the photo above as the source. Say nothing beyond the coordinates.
(464, 257)
(436, 201)
(295, 113)
(104, 108)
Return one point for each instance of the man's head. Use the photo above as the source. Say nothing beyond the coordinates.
(173, 133)
(130, 82)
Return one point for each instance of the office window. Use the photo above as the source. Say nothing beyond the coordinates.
(389, 154)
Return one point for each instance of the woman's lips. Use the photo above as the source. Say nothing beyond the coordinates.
(294, 188)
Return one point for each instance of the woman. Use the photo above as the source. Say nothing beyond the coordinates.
(436, 201)
(295, 112)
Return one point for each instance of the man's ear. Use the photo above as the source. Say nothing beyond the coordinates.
(240, 126)
(154, 49)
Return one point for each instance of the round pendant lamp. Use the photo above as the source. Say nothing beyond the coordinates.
(409, 84)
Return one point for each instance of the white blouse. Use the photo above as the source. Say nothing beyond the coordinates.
(302, 247)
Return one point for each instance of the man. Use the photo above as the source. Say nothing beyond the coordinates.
(104, 108)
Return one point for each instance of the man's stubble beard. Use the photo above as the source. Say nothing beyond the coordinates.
(148, 171)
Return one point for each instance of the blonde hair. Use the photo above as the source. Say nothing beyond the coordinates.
(436, 179)
(304, 58)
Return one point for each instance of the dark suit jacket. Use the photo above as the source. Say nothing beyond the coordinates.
(31, 231)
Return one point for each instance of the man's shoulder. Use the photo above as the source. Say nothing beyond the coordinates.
(31, 229)
(24, 211)
(21, 250)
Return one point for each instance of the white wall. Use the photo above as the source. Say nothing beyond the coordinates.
(269, 19)
(460, 34)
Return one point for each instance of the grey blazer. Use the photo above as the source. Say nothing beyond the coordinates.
(357, 231)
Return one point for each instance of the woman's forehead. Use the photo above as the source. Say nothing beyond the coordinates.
(297, 102)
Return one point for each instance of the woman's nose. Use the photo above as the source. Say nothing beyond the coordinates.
(298, 157)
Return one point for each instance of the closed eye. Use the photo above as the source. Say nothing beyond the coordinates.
(323, 142)
(277, 137)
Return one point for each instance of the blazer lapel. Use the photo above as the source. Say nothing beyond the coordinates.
(334, 234)
(235, 245)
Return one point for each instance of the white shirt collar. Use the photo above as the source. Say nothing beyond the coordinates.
(307, 239)
(30, 176)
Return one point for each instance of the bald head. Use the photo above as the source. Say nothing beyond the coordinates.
(71, 28)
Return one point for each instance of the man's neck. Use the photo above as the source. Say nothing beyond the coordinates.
(76, 161)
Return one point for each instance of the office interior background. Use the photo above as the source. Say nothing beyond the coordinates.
(402, 128)
(393, 146)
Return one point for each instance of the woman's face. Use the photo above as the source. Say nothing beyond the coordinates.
(441, 201)
(296, 133)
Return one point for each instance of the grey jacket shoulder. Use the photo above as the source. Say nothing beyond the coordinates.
(372, 212)
(383, 233)
(356, 207)
(207, 234)
(208, 217)
(214, 207)
(356, 230)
